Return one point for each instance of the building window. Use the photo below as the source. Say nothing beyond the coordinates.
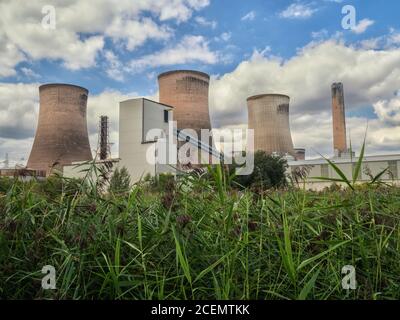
(324, 171)
(393, 169)
(166, 116)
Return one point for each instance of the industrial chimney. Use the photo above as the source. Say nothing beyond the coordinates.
(104, 145)
(61, 136)
(339, 120)
(187, 92)
(269, 118)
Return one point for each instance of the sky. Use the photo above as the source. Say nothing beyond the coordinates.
(116, 49)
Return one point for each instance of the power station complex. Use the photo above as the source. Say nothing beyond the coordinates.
(61, 141)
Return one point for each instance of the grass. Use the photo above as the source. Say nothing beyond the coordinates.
(198, 239)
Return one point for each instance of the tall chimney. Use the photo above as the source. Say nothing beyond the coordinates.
(339, 119)
(104, 144)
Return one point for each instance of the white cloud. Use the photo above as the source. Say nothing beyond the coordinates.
(191, 49)
(387, 41)
(249, 16)
(298, 11)
(114, 67)
(321, 34)
(21, 25)
(82, 27)
(362, 26)
(10, 56)
(29, 73)
(19, 106)
(388, 111)
(136, 32)
(206, 23)
(225, 36)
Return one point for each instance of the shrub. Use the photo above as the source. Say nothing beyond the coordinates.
(269, 172)
(120, 181)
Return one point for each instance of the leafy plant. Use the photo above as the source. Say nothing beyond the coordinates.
(120, 181)
(269, 172)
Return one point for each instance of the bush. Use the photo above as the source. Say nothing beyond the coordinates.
(5, 184)
(269, 172)
(120, 181)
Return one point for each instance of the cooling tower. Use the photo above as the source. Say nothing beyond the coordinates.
(187, 92)
(269, 118)
(61, 136)
(339, 119)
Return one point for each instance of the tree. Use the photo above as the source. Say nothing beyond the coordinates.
(120, 181)
(269, 172)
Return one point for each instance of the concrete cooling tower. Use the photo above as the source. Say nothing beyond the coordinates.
(187, 92)
(61, 136)
(269, 118)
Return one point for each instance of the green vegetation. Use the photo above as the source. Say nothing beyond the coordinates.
(120, 181)
(197, 238)
(269, 172)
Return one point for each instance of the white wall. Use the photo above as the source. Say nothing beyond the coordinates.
(131, 150)
(153, 118)
(315, 171)
(133, 127)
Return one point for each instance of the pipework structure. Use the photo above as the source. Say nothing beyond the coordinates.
(104, 145)
(269, 118)
(187, 91)
(339, 120)
(61, 135)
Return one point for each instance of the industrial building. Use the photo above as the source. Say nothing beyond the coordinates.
(61, 135)
(148, 145)
(269, 118)
(137, 137)
(372, 166)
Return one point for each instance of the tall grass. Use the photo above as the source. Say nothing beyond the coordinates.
(199, 239)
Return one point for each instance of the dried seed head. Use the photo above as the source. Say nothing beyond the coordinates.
(183, 220)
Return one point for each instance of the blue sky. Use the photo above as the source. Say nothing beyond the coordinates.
(117, 48)
(266, 29)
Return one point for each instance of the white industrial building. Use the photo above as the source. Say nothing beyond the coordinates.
(148, 144)
(143, 124)
(371, 166)
(143, 136)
